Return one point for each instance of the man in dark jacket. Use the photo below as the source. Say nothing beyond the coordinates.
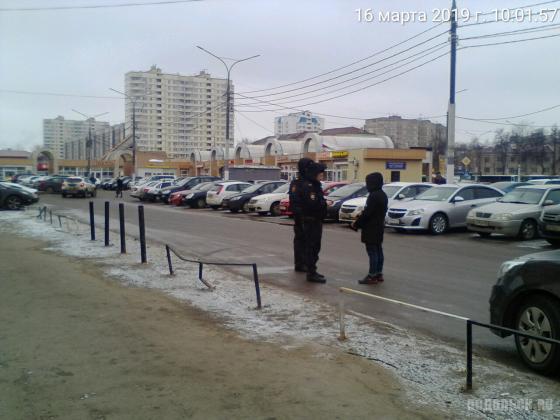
(119, 187)
(439, 180)
(313, 209)
(372, 224)
(295, 207)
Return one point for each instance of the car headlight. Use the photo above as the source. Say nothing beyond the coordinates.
(502, 216)
(191, 195)
(507, 266)
(416, 212)
(234, 198)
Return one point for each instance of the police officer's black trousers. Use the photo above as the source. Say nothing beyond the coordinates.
(312, 232)
(299, 243)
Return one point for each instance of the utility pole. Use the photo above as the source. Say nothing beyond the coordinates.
(228, 101)
(89, 119)
(450, 154)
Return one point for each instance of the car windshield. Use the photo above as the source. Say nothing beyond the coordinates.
(391, 190)
(345, 191)
(182, 181)
(252, 188)
(207, 186)
(502, 185)
(74, 180)
(282, 189)
(437, 194)
(523, 196)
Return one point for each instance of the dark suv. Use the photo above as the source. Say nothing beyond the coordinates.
(549, 225)
(52, 184)
(184, 184)
(13, 197)
(526, 297)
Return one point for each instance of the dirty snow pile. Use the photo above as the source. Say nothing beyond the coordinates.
(432, 373)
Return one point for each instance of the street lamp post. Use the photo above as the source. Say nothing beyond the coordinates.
(89, 140)
(228, 101)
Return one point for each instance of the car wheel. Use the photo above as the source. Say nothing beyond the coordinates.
(246, 207)
(63, 195)
(438, 224)
(484, 234)
(234, 210)
(539, 316)
(200, 203)
(554, 242)
(13, 202)
(528, 230)
(214, 207)
(94, 194)
(275, 210)
(49, 190)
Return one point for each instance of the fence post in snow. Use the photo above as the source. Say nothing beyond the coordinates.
(91, 221)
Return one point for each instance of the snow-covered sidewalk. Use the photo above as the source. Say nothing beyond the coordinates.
(431, 372)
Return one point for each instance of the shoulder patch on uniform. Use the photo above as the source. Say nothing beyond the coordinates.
(294, 188)
(313, 196)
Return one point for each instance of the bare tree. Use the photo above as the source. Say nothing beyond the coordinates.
(555, 145)
(502, 147)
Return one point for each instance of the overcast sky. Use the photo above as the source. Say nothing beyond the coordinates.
(86, 51)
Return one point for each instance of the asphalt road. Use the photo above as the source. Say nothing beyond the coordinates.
(452, 273)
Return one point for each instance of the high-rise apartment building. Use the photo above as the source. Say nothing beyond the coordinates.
(407, 132)
(102, 141)
(57, 132)
(176, 113)
(298, 122)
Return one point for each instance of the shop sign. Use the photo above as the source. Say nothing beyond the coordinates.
(399, 166)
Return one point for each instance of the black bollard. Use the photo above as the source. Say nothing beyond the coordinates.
(142, 234)
(106, 223)
(170, 265)
(121, 225)
(257, 286)
(91, 221)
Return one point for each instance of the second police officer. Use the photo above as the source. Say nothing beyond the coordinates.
(309, 207)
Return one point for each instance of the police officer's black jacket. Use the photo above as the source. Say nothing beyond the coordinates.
(306, 195)
(372, 219)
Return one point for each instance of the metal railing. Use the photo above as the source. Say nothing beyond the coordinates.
(201, 264)
(469, 324)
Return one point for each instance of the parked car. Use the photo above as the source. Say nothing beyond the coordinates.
(16, 179)
(549, 225)
(14, 197)
(52, 184)
(21, 187)
(328, 187)
(153, 193)
(396, 191)
(139, 191)
(337, 198)
(269, 202)
(516, 214)
(78, 187)
(240, 202)
(216, 195)
(127, 183)
(440, 208)
(185, 184)
(194, 198)
(507, 186)
(526, 297)
(544, 181)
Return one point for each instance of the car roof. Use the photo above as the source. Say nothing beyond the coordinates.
(539, 187)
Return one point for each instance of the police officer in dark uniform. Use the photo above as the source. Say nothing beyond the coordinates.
(295, 206)
(313, 211)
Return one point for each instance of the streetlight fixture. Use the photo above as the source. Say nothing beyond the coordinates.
(89, 140)
(228, 100)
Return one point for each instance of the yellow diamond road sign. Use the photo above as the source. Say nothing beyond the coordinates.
(466, 161)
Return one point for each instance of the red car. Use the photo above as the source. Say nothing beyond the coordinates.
(176, 198)
(328, 187)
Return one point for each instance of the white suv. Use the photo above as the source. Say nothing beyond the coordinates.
(221, 190)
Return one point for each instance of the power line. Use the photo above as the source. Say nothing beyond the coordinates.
(348, 93)
(431, 50)
(348, 65)
(508, 124)
(516, 32)
(24, 92)
(254, 122)
(509, 42)
(518, 116)
(96, 6)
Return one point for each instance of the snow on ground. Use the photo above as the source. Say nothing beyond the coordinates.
(431, 372)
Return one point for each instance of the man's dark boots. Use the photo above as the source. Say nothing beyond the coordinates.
(316, 278)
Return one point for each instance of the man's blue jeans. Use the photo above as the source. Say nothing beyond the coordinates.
(376, 258)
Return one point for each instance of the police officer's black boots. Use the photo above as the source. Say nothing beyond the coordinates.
(316, 278)
(300, 268)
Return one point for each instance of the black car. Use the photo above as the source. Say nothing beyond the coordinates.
(14, 197)
(185, 184)
(549, 225)
(196, 197)
(337, 198)
(52, 184)
(526, 297)
(240, 202)
(153, 194)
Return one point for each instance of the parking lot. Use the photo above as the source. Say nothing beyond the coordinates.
(452, 273)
